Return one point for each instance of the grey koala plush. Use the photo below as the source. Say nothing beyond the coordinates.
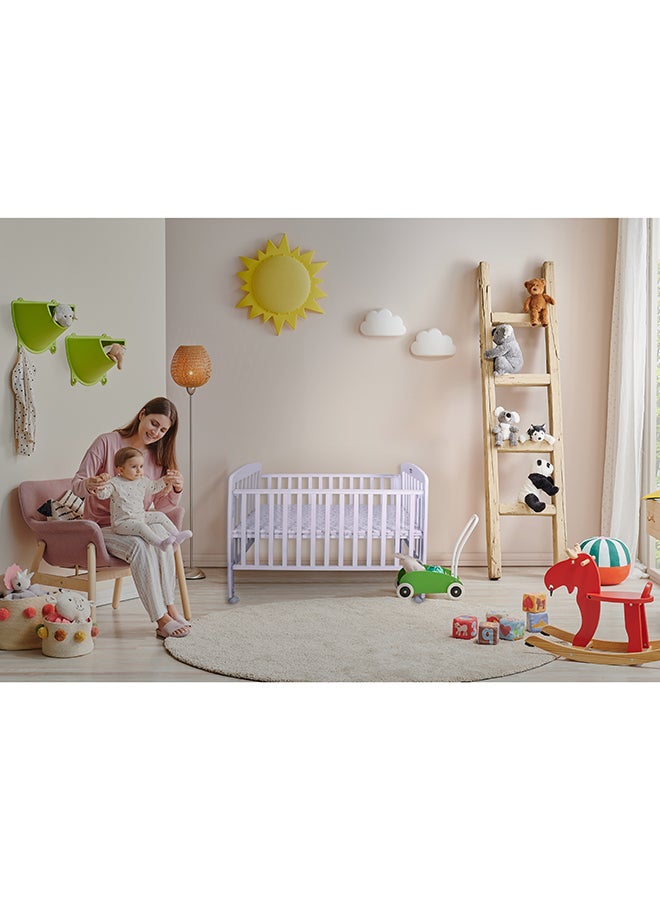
(507, 427)
(506, 354)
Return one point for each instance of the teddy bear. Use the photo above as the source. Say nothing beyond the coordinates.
(506, 354)
(539, 479)
(116, 352)
(537, 302)
(506, 429)
(536, 433)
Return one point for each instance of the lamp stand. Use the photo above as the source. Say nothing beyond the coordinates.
(192, 573)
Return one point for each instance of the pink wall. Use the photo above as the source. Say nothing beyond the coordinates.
(323, 397)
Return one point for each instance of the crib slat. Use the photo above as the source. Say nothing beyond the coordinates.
(341, 529)
(356, 527)
(370, 530)
(270, 537)
(326, 531)
(312, 531)
(299, 535)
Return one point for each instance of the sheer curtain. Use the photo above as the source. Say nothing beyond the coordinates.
(622, 481)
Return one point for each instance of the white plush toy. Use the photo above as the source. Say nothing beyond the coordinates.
(71, 605)
(539, 479)
(536, 433)
(409, 563)
(64, 315)
(18, 584)
(506, 429)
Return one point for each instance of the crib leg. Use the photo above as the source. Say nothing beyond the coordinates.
(232, 557)
(231, 596)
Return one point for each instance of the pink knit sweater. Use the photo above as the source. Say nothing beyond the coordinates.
(100, 458)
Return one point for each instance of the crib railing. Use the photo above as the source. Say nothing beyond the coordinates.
(324, 521)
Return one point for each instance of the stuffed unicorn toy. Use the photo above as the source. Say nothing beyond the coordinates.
(18, 582)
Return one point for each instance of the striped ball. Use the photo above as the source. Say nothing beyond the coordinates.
(612, 558)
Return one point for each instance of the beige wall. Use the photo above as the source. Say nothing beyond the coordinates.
(113, 272)
(325, 398)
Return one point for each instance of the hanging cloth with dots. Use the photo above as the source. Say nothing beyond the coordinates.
(25, 415)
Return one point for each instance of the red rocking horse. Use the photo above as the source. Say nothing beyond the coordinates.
(580, 571)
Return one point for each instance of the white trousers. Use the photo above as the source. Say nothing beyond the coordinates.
(144, 528)
(152, 570)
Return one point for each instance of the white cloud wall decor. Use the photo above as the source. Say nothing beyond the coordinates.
(382, 323)
(432, 343)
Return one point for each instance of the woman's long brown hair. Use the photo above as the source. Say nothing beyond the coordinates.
(164, 450)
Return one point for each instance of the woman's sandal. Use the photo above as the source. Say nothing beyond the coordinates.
(170, 627)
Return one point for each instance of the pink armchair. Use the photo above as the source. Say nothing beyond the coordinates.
(78, 544)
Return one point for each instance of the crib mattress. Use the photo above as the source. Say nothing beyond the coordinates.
(332, 513)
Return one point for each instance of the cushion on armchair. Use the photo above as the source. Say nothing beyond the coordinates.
(68, 507)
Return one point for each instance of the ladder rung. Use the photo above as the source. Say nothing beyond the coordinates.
(509, 318)
(528, 447)
(525, 379)
(521, 509)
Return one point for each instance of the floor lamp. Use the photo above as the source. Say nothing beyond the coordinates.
(191, 368)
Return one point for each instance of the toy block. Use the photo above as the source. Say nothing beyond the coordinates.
(464, 627)
(489, 633)
(533, 603)
(536, 621)
(512, 629)
(495, 615)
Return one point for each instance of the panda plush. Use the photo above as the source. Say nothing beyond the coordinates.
(539, 479)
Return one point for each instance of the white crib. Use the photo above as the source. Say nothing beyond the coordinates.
(331, 522)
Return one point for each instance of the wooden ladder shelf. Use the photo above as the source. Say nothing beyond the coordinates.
(548, 379)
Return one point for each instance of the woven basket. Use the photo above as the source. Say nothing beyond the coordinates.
(66, 639)
(19, 630)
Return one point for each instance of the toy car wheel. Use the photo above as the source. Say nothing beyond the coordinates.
(455, 591)
(405, 591)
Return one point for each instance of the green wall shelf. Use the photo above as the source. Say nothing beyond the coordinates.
(36, 330)
(87, 358)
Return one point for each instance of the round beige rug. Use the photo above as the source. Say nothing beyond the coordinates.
(355, 639)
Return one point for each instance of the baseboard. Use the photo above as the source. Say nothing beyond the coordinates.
(474, 559)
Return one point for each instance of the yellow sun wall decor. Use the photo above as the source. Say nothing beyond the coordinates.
(281, 284)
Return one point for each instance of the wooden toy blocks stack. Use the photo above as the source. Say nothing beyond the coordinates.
(534, 606)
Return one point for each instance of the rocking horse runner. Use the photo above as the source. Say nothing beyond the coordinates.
(580, 571)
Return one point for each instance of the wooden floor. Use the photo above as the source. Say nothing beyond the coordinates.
(127, 649)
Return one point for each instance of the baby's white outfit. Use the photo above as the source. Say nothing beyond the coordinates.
(127, 512)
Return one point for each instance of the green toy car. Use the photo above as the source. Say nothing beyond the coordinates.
(433, 580)
(414, 583)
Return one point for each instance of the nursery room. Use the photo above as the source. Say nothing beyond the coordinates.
(377, 450)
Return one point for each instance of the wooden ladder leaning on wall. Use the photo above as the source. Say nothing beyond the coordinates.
(548, 379)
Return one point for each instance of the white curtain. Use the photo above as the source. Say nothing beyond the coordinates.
(622, 481)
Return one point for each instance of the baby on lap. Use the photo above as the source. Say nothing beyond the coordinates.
(127, 491)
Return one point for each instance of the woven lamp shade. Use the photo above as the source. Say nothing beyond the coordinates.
(190, 366)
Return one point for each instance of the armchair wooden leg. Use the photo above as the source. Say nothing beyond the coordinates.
(36, 559)
(91, 578)
(181, 578)
(116, 594)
